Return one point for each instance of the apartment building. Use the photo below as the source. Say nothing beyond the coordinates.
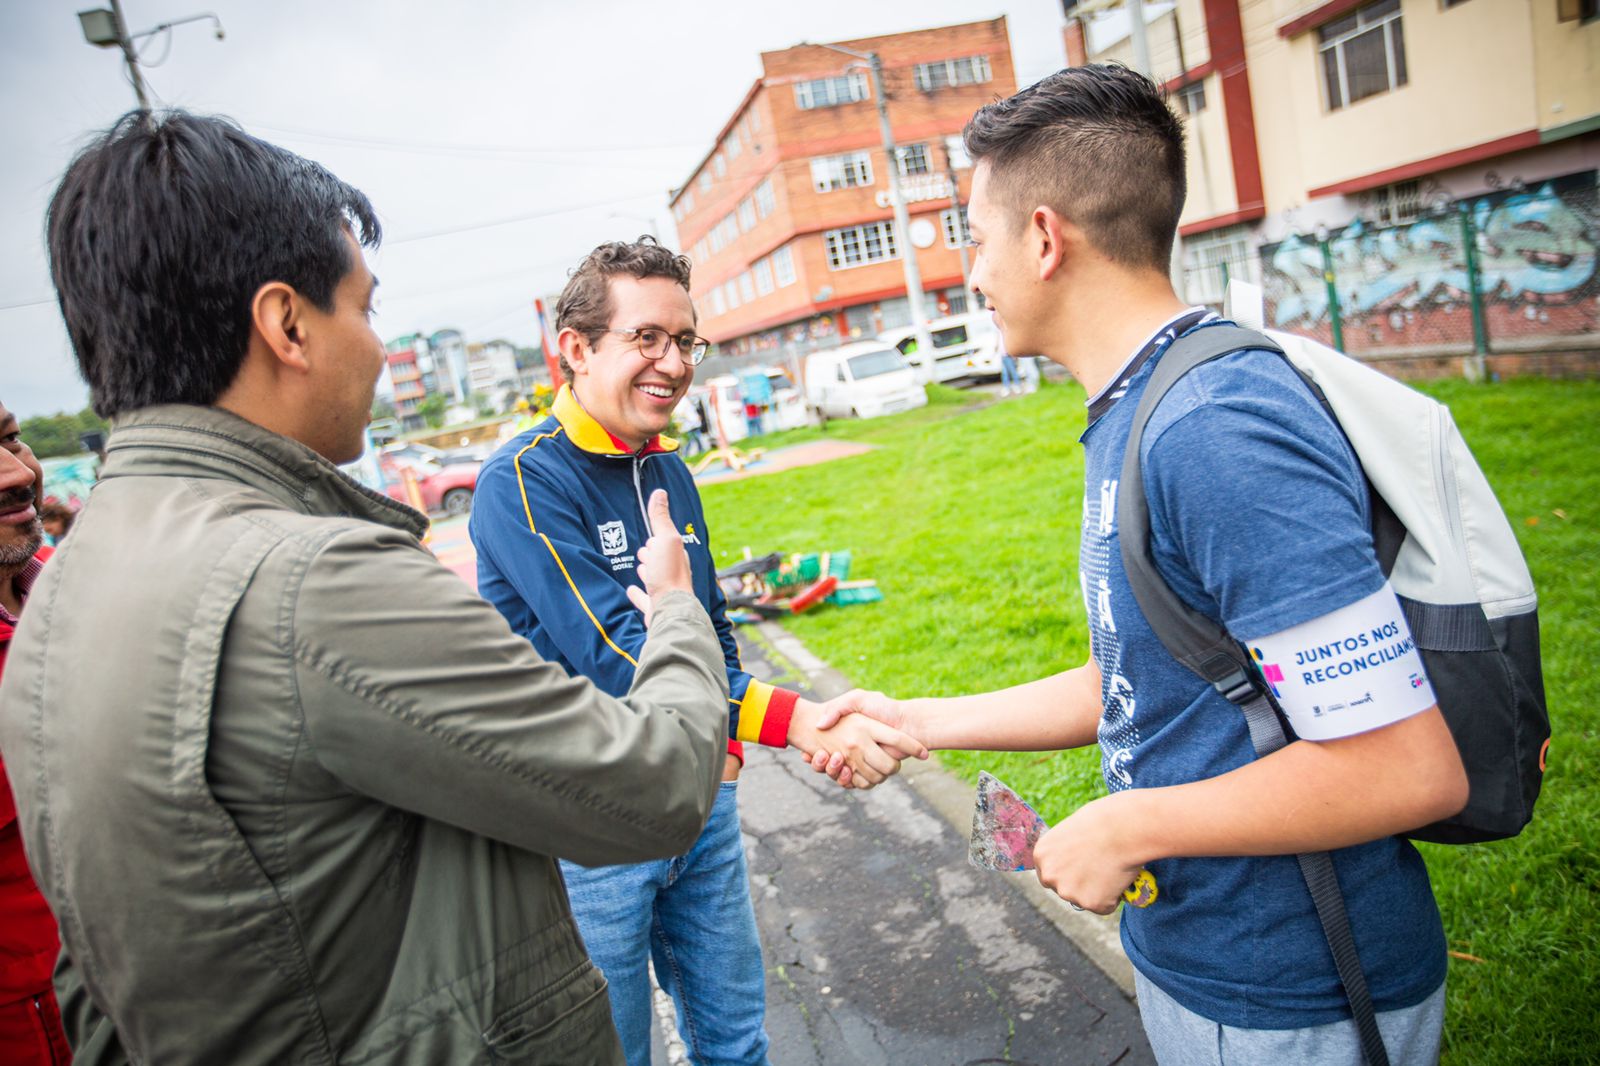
(787, 217)
(1437, 159)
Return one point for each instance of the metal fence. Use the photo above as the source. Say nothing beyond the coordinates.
(1512, 271)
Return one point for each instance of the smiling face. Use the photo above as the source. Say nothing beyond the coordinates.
(1001, 264)
(628, 393)
(21, 483)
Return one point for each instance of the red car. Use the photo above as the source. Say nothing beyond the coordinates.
(443, 488)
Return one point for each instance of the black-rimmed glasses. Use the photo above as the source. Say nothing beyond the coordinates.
(652, 343)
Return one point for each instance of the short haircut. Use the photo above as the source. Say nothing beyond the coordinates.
(161, 233)
(585, 303)
(1100, 146)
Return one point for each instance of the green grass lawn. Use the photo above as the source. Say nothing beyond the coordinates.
(968, 519)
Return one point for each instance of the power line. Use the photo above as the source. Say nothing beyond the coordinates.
(396, 144)
(28, 303)
(518, 218)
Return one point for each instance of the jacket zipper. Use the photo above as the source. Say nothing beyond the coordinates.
(638, 492)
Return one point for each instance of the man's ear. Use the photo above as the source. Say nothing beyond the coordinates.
(277, 316)
(1048, 234)
(575, 349)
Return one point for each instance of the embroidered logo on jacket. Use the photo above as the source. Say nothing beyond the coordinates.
(613, 538)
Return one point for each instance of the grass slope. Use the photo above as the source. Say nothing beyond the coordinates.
(968, 518)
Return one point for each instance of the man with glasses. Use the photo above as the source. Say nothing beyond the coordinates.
(558, 516)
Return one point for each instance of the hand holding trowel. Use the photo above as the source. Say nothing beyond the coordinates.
(1005, 829)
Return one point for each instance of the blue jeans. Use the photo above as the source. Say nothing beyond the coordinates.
(1008, 372)
(692, 915)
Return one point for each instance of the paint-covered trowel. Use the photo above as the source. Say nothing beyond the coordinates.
(1005, 829)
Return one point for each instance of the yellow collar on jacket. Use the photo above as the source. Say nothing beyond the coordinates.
(591, 436)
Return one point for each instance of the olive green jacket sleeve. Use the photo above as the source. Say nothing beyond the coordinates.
(90, 1033)
(416, 692)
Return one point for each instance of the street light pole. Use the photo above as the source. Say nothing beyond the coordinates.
(105, 28)
(902, 217)
(961, 229)
(129, 55)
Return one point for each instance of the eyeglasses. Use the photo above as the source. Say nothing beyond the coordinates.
(653, 343)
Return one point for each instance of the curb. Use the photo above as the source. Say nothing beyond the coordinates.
(1093, 934)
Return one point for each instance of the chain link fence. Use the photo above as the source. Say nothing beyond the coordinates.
(1509, 272)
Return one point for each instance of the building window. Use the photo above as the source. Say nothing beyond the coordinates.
(705, 179)
(957, 149)
(747, 214)
(724, 233)
(1192, 98)
(954, 224)
(831, 172)
(912, 159)
(720, 165)
(686, 201)
(968, 70)
(1211, 260)
(830, 92)
(719, 306)
(766, 203)
(859, 245)
(763, 275)
(1363, 54)
(733, 146)
(1396, 205)
(783, 266)
(747, 288)
(730, 292)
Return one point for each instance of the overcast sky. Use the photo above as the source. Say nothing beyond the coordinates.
(498, 140)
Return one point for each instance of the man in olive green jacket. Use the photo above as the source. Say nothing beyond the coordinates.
(294, 793)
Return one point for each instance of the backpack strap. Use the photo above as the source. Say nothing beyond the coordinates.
(1207, 649)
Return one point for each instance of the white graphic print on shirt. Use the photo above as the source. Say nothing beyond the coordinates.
(1118, 733)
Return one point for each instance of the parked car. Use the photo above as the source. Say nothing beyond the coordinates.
(963, 346)
(862, 380)
(411, 451)
(443, 487)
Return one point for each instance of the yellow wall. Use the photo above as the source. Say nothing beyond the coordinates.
(1567, 66)
(1470, 79)
(1210, 161)
(1162, 40)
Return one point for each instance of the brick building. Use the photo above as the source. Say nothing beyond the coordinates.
(787, 217)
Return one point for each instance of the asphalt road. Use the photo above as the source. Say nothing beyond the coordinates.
(884, 945)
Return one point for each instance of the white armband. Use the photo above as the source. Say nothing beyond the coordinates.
(1347, 672)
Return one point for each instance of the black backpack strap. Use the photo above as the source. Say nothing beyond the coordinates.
(1206, 648)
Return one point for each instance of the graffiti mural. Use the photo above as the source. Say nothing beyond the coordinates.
(1409, 285)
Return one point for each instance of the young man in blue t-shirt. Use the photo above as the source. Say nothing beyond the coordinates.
(1259, 519)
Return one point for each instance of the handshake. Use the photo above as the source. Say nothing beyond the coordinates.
(858, 739)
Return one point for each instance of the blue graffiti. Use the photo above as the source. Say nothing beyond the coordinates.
(1531, 247)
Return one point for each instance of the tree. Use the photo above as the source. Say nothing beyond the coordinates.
(57, 434)
(432, 410)
(381, 408)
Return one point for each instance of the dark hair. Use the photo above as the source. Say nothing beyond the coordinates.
(585, 303)
(161, 233)
(1099, 145)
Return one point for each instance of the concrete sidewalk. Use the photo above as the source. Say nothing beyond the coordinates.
(884, 945)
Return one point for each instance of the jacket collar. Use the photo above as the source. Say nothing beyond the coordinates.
(173, 440)
(592, 437)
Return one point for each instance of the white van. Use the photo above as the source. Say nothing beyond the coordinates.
(862, 380)
(964, 346)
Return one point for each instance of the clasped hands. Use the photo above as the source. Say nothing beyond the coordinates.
(1088, 859)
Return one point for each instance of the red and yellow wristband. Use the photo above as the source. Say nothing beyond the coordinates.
(764, 714)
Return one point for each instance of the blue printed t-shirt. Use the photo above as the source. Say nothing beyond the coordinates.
(1259, 518)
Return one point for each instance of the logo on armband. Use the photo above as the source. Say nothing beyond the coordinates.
(1272, 673)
